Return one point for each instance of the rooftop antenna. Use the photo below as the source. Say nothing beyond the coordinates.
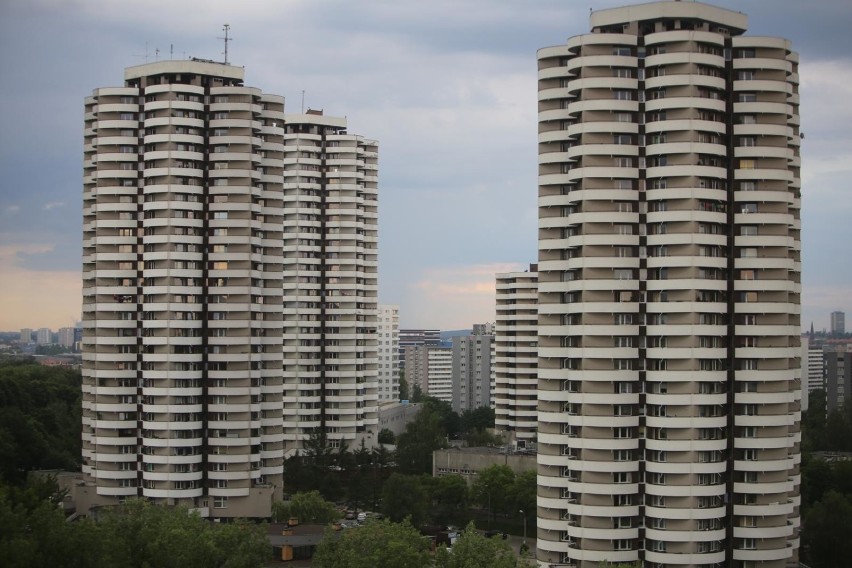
(171, 51)
(225, 28)
(146, 53)
(303, 101)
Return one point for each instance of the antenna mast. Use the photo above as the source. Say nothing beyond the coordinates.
(225, 28)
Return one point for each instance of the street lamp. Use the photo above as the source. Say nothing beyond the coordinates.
(525, 526)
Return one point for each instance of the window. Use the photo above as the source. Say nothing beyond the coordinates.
(622, 432)
(745, 75)
(656, 478)
(621, 455)
(746, 97)
(748, 164)
(659, 524)
(220, 502)
(622, 477)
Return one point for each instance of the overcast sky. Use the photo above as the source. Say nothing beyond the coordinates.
(448, 87)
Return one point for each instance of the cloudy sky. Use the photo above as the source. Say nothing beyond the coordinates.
(448, 87)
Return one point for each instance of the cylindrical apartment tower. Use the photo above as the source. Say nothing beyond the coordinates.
(182, 289)
(516, 357)
(330, 282)
(669, 292)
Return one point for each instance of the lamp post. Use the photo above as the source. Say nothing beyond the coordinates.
(525, 526)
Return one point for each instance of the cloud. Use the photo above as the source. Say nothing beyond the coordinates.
(452, 297)
(53, 205)
(12, 210)
(30, 298)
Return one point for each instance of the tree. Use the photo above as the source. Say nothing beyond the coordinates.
(522, 494)
(40, 419)
(480, 418)
(33, 532)
(378, 544)
(492, 488)
(422, 436)
(307, 507)
(403, 386)
(473, 550)
(827, 538)
(386, 436)
(404, 496)
(416, 393)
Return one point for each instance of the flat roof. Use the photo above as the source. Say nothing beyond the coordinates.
(198, 67)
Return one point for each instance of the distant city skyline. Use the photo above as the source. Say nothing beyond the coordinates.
(451, 100)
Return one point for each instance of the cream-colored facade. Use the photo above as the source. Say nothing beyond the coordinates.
(330, 281)
(388, 352)
(515, 357)
(669, 292)
(182, 289)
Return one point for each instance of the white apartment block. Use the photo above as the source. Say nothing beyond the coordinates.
(44, 336)
(669, 292)
(388, 352)
(814, 373)
(182, 289)
(26, 335)
(430, 367)
(66, 336)
(440, 372)
(330, 225)
(516, 357)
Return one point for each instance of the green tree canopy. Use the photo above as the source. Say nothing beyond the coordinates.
(378, 544)
(307, 507)
(386, 436)
(403, 386)
(404, 496)
(480, 418)
(40, 419)
(473, 550)
(33, 532)
(492, 488)
(827, 538)
(422, 436)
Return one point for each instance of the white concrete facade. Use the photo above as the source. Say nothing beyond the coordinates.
(330, 281)
(182, 290)
(388, 352)
(516, 357)
(669, 292)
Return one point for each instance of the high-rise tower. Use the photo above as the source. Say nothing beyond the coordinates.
(330, 281)
(516, 336)
(669, 292)
(182, 289)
